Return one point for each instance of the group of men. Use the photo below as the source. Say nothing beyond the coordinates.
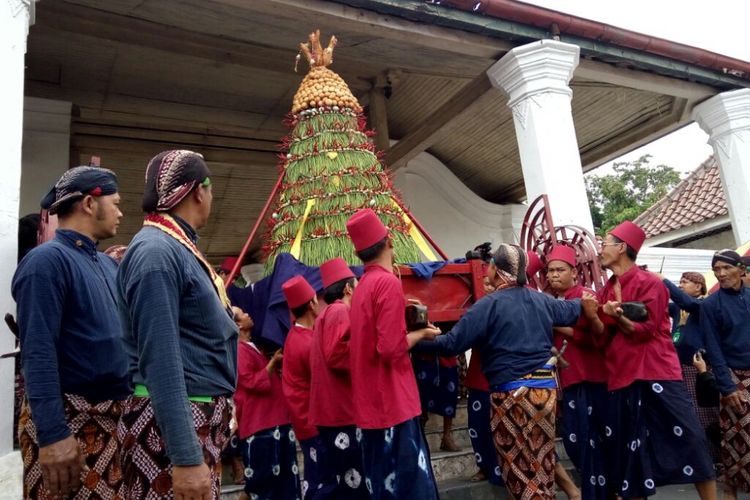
(130, 369)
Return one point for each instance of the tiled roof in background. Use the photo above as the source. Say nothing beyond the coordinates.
(697, 198)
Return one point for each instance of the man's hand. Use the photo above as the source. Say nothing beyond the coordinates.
(699, 363)
(62, 463)
(735, 400)
(275, 361)
(589, 306)
(612, 308)
(191, 482)
(428, 333)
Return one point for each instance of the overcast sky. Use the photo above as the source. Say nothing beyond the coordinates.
(719, 26)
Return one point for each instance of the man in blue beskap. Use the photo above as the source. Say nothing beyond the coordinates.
(181, 337)
(725, 322)
(71, 350)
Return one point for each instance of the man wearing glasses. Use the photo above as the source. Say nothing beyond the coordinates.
(652, 434)
(180, 335)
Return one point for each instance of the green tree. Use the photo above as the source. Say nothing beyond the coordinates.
(628, 192)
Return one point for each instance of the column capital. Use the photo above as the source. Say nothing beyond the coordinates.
(535, 68)
(24, 8)
(724, 113)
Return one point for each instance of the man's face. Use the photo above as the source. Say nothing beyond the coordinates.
(561, 276)
(727, 275)
(107, 216)
(690, 287)
(206, 203)
(611, 251)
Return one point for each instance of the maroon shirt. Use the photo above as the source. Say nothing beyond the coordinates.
(649, 353)
(383, 382)
(586, 359)
(329, 364)
(295, 378)
(259, 399)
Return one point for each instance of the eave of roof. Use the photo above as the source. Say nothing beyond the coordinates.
(521, 22)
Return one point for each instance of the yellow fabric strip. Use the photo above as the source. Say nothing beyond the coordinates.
(297, 245)
(416, 235)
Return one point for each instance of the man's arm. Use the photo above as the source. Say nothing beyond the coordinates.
(153, 303)
(335, 338)
(40, 295)
(710, 328)
(683, 300)
(464, 335)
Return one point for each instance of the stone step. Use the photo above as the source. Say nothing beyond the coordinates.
(460, 437)
(451, 465)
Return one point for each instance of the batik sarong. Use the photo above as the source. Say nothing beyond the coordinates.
(584, 411)
(707, 416)
(397, 462)
(146, 468)
(438, 386)
(340, 471)
(523, 430)
(270, 458)
(481, 436)
(653, 438)
(735, 439)
(95, 428)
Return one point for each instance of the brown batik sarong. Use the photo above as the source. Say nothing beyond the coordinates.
(523, 429)
(95, 428)
(735, 438)
(146, 468)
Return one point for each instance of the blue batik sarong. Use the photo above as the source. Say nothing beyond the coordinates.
(270, 458)
(481, 436)
(397, 463)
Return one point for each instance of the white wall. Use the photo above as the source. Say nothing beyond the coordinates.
(46, 149)
(455, 217)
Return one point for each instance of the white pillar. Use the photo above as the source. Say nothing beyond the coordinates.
(536, 76)
(15, 18)
(726, 119)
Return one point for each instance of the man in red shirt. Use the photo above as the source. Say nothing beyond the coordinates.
(267, 443)
(583, 381)
(296, 375)
(652, 433)
(386, 400)
(331, 381)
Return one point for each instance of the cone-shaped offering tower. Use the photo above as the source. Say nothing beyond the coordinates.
(330, 170)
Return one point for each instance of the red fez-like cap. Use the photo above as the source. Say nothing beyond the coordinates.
(297, 291)
(334, 270)
(365, 229)
(630, 234)
(563, 253)
(228, 264)
(534, 265)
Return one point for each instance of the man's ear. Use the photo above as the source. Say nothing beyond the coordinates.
(198, 194)
(88, 204)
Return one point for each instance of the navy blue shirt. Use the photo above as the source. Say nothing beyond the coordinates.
(511, 329)
(691, 339)
(180, 339)
(725, 321)
(71, 340)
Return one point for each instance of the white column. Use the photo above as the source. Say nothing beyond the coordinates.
(535, 77)
(726, 119)
(15, 18)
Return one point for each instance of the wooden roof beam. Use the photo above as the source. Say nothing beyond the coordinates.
(427, 133)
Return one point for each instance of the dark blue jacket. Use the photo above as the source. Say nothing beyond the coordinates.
(71, 340)
(691, 338)
(180, 339)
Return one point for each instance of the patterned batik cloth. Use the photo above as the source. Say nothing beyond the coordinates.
(314, 452)
(438, 386)
(735, 438)
(397, 462)
(340, 473)
(708, 417)
(95, 428)
(481, 436)
(270, 458)
(653, 438)
(146, 468)
(523, 429)
(584, 411)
